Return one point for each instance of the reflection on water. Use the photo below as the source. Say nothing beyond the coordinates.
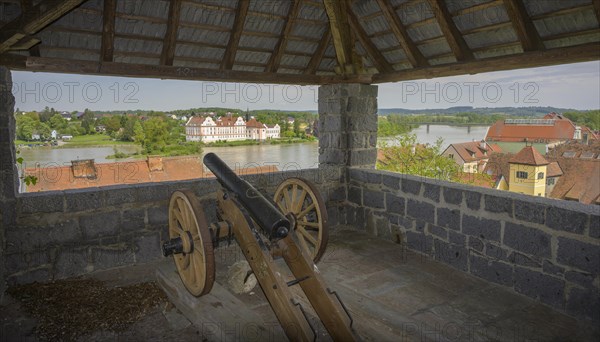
(284, 156)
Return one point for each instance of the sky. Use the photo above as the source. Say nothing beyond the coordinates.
(575, 86)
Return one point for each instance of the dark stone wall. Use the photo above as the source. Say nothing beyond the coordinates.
(543, 248)
(62, 234)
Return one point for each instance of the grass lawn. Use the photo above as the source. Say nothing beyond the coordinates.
(94, 140)
(23, 142)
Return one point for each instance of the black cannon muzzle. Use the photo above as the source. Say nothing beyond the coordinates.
(262, 211)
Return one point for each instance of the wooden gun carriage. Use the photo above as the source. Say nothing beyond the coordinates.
(292, 227)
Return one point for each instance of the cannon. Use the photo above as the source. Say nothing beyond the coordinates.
(292, 227)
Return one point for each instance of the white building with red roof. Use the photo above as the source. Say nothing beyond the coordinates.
(230, 128)
(471, 156)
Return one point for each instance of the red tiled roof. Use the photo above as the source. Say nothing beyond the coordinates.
(529, 156)
(253, 123)
(579, 182)
(559, 130)
(195, 121)
(155, 169)
(553, 170)
(472, 151)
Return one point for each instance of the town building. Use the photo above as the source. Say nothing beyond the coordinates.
(273, 131)
(230, 128)
(528, 172)
(471, 156)
(545, 133)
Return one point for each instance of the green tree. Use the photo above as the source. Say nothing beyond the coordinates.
(138, 132)
(25, 127)
(57, 122)
(156, 132)
(297, 127)
(406, 156)
(88, 121)
(113, 124)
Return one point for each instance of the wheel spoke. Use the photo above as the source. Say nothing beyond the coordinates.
(307, 235)
(178, 216)
(301, 200)
(294, 198)
(311, 224)
(306, 211)
(185, 264)
(281, 207)
(303, 243)
(286, 197)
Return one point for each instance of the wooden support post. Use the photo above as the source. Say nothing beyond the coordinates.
(451, 33)
(108, 30)
(236, 34)
(523, 26)
(277, 54)
(340, 31)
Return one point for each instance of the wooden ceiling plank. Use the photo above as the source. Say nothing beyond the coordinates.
(317, 57)
(451, 33)
(279, 50)
(340, 33)
(596, 4)
(411, 50)
(236, 34)
(530, 59)
(523, 25)
(26, 6)
(564, 11)
(170, 40)
(30, 22)
(477, 8)
(377, 57)
(108, 31)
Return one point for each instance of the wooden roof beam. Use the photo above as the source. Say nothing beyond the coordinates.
(108, 31)
(377, 57)
(168, 48)
(70, 66)
(236, 33)
(30, 22)
(277, 54)
(530, 59)
(340, 32)
(34, 48)
(411, 50)
(523, 26)
(317, 57)
(596, 4)
(453, 36)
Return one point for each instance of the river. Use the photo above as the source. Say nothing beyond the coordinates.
(284, 156)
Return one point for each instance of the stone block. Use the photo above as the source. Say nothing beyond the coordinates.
(452, 196)
(496, 204)
(547, 289)
(582, 255)
(355, 195)
(457, 238)
(391, 182)
(528, 240)
(119, 196)
(530, 212)
(481, 227)
(332, 156)
(496, 252)
(584, 303)
(432, 192)
(473, 200)
(332, 123)
(22, 261)
(549, 268)
(411, 186)
(335, 194)
(365, 157)
(405, 222)
(71, 263)
(373, 199)
(449, 218)
(420, 225)
(25, 239)
(111, 257)
(490, 270)
(524, 260)
(40, 275)
(153, 192)
(438, 231)
(595, 226)
(566, 220)
(87, 199)
(476, 244)
(394, 204)
(453, 255)
(365, 176)
(133, 219)
(100, 224)
(420, 210)
(158, 216)
(420, 242)
(42, 203)
(584, 279)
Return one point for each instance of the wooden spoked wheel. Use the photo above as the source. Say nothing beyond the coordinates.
(302, 203)
(196, 265)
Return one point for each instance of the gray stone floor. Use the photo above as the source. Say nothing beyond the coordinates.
(393, 295)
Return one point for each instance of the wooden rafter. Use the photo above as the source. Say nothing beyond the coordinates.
(377, 57)
(596, 4)
(277, 54)
(236, 34)
(478, 7)
(413, 53)
(30, 22)
(168, 48)
(34, 48)
(317, 57)
(564, 11)
(523, 26)
(108, 30)
(451, 33)
(340, 33)
(531, 59)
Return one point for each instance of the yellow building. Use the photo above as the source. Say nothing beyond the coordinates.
(528, 172)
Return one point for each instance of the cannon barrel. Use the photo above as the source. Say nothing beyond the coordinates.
(262, 211)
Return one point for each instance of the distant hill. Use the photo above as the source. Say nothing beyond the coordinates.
(515, 111)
